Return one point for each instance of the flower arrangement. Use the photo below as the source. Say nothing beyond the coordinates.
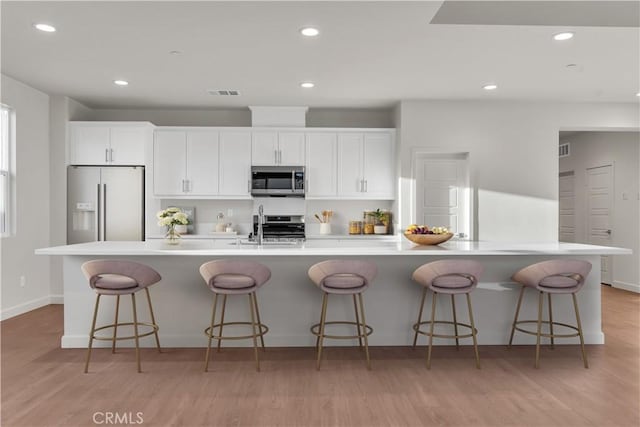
(172, 216)
(169, 218)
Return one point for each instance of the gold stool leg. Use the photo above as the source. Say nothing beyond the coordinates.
(135, 330)
(540, 300)
(515, 319)
(255, 303)
(455, 321)
(415, 336)
(323, 317)
(584, 353)
(551, 322)
(93, 328)
(224, 306)
(153, 319)
(213, 318)
(366, 339)
(433, 320)
(355, 307)
(473, 331)
(252, 295)
(115, 326)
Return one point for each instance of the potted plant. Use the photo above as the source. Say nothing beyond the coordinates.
(381, 217)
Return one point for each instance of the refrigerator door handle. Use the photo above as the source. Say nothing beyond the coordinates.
(98, 214)
(104, 211)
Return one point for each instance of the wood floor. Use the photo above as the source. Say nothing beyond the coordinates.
(44, 385)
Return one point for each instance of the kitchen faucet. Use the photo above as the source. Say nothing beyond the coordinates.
(260, 235)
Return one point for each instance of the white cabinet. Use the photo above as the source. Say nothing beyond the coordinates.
(108, 143)
(235, 163)
(185, 163)
(322, 165)
(272, 148)
(201, 163)
(365, 165)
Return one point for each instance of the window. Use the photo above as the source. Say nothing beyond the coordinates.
(6, 145)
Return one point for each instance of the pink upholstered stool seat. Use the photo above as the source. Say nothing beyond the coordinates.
(451, 277)
(120, 277)
(231, 277)
(558, 276)
(343, 277)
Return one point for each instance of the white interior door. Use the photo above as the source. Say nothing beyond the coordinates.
(567, 219)
(599, 209)
(442, 193)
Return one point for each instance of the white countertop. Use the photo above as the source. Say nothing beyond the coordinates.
(328, 248)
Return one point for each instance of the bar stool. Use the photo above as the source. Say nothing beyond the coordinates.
(559, 276)
(343, 277)
(229, 277)
(120, 277)
(451, 277)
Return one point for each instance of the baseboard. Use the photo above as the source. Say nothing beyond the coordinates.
(631, 287)
(25, 307)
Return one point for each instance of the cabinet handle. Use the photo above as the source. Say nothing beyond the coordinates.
(275, 156)
(111, 155)
(248, 186)
(188, 185)
(366, 186)
(183, 190)
(279, 157)
(106, 155)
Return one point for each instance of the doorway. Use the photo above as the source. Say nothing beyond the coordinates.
(442, 192)
(599, 213)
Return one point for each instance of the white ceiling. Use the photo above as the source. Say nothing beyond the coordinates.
(368, 55)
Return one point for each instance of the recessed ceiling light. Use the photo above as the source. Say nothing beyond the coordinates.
(307, 85)
(174, 52)
(45, 27)
(638, 94)
(490, 86)
(563, 36)
(121, 82)
(309, 31)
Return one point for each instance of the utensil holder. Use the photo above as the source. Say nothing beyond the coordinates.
(325, 228)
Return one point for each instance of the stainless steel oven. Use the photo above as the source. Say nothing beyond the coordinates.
(277, 181)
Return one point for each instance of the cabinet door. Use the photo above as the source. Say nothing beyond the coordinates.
(127, 145)
(235, 163)
(202, 163)
(264, 148)
(291, 146)
(89, 145)
(169, 163)
(378, 166)
(321, 168)
(350, 180)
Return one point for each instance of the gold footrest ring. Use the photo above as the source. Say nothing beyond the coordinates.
(416, 327)
(546, 322)
(367, 330)
(263, 330)
(154, 329)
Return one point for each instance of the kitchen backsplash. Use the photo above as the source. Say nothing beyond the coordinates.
(242, 211)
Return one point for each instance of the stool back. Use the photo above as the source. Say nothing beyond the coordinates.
(142, 274)
(449, 276)
(557, 275)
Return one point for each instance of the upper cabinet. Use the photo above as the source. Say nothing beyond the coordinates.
(108, 143)
(274, 148)
(201, 163)
(322, 165)
(366, 165)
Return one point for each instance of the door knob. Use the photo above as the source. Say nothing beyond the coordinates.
(608, 232)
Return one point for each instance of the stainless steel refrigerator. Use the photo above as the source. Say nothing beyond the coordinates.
(105, 203)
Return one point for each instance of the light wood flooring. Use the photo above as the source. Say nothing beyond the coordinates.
(44, 385)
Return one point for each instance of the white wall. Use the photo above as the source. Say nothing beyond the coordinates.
(513, 154)
(621, 150)
(322, 117)
(33, 202)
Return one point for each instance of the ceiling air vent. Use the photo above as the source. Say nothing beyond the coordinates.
(223, 92)
(564, 150)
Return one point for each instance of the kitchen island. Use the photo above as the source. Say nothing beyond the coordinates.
(290, 303)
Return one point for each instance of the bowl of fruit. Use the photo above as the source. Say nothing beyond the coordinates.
(425, 235)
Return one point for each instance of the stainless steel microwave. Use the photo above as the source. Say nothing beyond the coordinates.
(277, 181)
